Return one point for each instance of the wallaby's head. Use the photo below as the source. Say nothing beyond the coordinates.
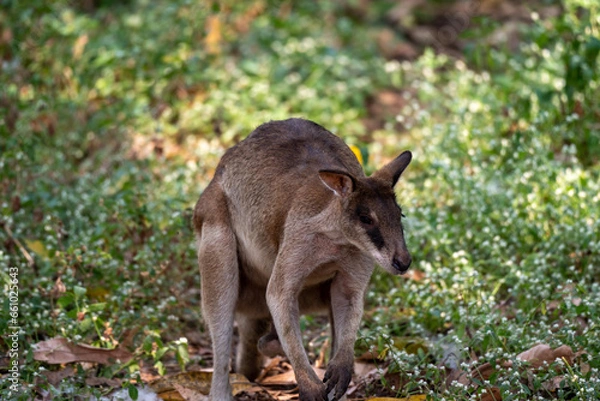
(371, 219)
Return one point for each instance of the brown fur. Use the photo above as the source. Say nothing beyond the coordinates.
(291, 225)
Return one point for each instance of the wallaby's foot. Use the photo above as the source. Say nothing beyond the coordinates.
(220, 392)
(337, 378)
(313, 392)
(269, 345)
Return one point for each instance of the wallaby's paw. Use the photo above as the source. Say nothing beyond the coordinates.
(313, 392)
(269, 346)
(337, 378)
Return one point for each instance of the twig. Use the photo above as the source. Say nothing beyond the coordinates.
(24, 251)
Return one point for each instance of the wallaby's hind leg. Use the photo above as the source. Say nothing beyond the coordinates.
(217, 257)
(249, 360)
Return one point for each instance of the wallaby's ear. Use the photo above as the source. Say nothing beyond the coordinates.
(391, 172)
(342, 184)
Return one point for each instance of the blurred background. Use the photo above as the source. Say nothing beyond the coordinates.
(114, 114)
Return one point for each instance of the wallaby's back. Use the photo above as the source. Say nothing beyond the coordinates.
(288, 151)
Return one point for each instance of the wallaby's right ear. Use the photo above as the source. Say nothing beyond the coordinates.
(391, 172)
(342, 184)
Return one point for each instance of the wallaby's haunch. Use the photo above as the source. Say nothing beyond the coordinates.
(290, 224)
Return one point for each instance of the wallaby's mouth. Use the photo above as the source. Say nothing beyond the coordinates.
(401, 266)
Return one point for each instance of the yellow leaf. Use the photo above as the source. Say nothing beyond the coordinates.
(38, 247)
(213, 35)
(410, 344)
(357, 153)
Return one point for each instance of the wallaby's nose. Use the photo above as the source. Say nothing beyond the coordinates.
(402, 263)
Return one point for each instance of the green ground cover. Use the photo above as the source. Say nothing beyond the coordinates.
(114, 115)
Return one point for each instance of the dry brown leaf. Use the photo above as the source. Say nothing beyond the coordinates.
(483, 372)
(189, 394)
(418, 397)
(543, 353)
(459, 376)
(491, 394)
(415, 275)
(271, 366)
(59, 289)
(198, 382)
(59, 350)
(362, 368)
(553, 384)
(103, 381)
(55, 377)
(171, 395)
(79, 46)
(284, 379)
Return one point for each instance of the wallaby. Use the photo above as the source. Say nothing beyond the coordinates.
(289, 225)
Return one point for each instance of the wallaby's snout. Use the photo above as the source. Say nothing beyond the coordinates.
(401, 261)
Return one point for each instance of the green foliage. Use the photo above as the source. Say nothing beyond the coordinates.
(114, 116)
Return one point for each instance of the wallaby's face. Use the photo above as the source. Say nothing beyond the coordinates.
(374, 224)
(371, 219)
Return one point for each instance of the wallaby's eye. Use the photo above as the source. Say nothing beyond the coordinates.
(365, 219)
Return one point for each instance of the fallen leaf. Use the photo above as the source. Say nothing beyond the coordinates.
(491, 394)
(37, 247)
(271, 366)
(103, 381)
(542, 353)
(189, 394)
(198, 382)
(418, 397)
(411, 345)
(415, 275)
(282, 379)
(59, 350)
(79, 46)
(59, 289)
(55, 377)
(362, 368)
(553, 384)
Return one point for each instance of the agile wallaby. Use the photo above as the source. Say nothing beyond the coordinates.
(290, 224)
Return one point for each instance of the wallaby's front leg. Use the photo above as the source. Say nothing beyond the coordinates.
(217, 257)
(347, 299)
(284, 287)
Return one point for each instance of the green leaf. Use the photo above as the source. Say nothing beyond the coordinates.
(133, 391)
(97, 307)
(66, 300)
(79, 291)
(160, 367)
(161, 352)
(182, 355)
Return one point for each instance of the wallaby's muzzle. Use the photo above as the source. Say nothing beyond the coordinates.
(402, 262)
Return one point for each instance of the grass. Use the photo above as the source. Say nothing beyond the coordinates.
(114, 119)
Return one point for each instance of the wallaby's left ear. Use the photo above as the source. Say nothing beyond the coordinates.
(341, 183)
(391, 172)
